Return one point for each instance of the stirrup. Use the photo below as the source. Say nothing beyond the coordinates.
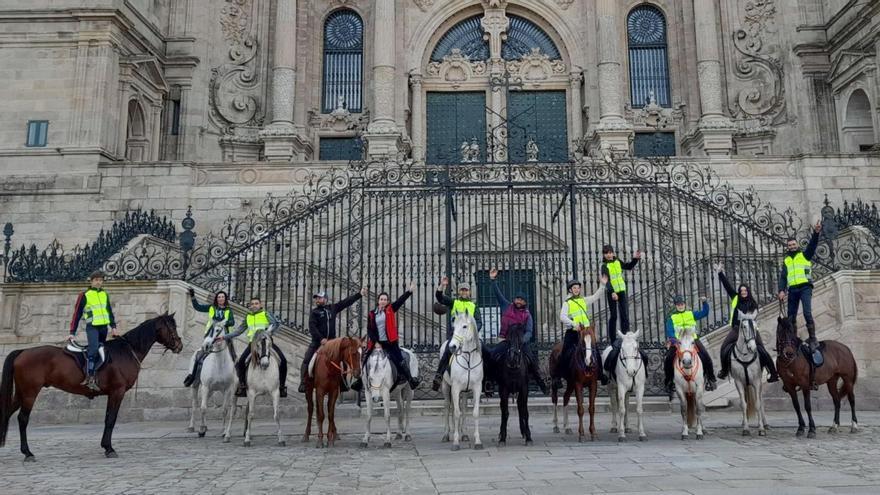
(92, 384)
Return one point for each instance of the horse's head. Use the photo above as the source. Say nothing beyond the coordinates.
(376, 366)
(629, 353)
(464, 333)
(261, 347)
(514, 349)
(687, 348)
(748, 329)
(586, 337)
(214, 338)
(166, 333)
(786, 338)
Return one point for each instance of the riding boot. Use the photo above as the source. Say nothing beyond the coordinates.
(725, 362)
(197, 363)
(814, 344)
(441, 369)
(242, 379)
(668, 363)
(610, 363)
(603, 378)
(535, 372)
(404, 370)
(768, 364)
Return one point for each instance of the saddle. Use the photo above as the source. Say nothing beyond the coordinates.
(816, 358)
(80, 354)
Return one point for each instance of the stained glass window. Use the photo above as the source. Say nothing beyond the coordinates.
(343, 61)
(648, 67)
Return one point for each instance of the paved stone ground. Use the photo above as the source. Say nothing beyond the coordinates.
(163, 458)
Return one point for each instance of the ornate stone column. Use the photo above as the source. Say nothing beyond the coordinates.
(383, 136)
(495, 24)
(282, 140)
(715, 131)
(612, 129)
(417, 117)
(577, 121)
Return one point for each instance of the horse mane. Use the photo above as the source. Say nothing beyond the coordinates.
(141, 337)
(333, 348)
(515, 334)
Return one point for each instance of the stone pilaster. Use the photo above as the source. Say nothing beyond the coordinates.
(495, 24)
(417, 118)
(714, 134)
(383, 135)
(577, 122)
(613, 130)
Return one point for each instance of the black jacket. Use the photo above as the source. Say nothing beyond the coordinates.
(744, 305)
(448, 302)
(322, 319)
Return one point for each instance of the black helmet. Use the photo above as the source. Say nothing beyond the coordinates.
(571, 283)
(678, 299)
(440, 308)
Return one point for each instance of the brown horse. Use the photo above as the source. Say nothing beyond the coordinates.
(336, 360)
(582, 371)
(794, 369)
(26, 371)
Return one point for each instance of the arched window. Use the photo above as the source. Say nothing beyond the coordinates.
(343, 61)
(522, 36)
(648, 68)
(858, 128)
(467, 37)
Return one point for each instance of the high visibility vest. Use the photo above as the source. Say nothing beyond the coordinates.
(577, 311)
(460, 306)
(226, 313)
(799, 269)
(681, 321)
(96, 311)
(733, 302)
(615, 276)
(255, 323)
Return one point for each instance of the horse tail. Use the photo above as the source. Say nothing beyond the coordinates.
(751, 402)
(691, 409)
(6, 390)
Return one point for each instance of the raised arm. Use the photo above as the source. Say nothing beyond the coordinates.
(443, 298)
(731, 292)
(810, 251)
(632, 264)
(499, 296)
(703, 312)
(201, 308)
(396, 305)
(348, 301)
(595, 296)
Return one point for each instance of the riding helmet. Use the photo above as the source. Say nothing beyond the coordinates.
(678, 299)
(572, 283)
(440, 308)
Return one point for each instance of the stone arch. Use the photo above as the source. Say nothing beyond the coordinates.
(137, 144)
(858, 126)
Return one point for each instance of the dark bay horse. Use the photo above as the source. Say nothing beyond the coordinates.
(26, 371)
(582, 371)
(511, 371)
(794, 369)
(339, 359)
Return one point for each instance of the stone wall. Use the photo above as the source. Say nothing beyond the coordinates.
(40, 315)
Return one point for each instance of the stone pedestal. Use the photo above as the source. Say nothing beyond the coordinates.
(283, 142)
(613, 131)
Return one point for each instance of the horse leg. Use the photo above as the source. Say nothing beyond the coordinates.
(797, 409)
(319, 411)
(407, 405)
(456, 405)
(386, 402)
(331, 418)
(276, 399)
(640, 413)
(612, 399)
(744, 403)
(763, 425)
(848, 390)
(621, 412)
(195, 405)
(399, 399)
(699, 409)
(368, 398)
(683, 407)
(503, 397)
(204, 393)
(447, 405)
(565, 398)
(554, 397)
(26, 404)
(835, 396)
(113, 402)
(808, 406)
(229, 405)
(592, 409)
(249, 415)
(522, 405)
(579, 396)
(478, 444)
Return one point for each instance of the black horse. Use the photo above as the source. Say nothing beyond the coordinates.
(508, 365)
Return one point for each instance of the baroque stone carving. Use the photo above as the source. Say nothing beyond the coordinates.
(456, 68)
(339, 121)
(757, 64)
(423, 5)
(536, 66)
(234, 94)
(564, 4)
(653, 115)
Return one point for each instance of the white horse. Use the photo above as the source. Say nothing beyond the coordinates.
(216, 374)
(745, 368)
(689, 383)
(465, 374)
(379, 380)
(262, 378)
(629, 378)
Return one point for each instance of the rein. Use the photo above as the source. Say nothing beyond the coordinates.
(460, 352)
(691, 374)
(622, 359)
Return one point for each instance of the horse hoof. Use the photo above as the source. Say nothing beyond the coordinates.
(398, 436)
(832, 430)
(201, 434)
(594, 437)
(111, 454)
(225, 439)
(465, 438)
(613, 430)
(363, 445)
(456, 448)
(247, 443)
(190, 429)
(305, 439)
(762, 433)
(568, 431)
(767, 427)
(699, 437)
(30, 458)
(282, 444)
(854, 428)
(445, 438)
(529, 442)
(407, 438)
(643, 438)
(621, 439)
(581, 438)
(746, 433)
(684, 437)
(386, 445)
(555, 429)
(811, 434)
(629, 430)
(478, 446)
(502, 443)
(799, 433)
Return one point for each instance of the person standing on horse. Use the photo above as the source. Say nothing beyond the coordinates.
(796, 278)
(575, 313)
(462, 304)
(382, 330)
(616, 293)
(512, 314)
(257, 320)
(680, 320)
(322, 326)
(93, 305)
(741, 300)
(218, 311)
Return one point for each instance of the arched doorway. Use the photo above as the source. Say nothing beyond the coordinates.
(858, 126)
(136, 142)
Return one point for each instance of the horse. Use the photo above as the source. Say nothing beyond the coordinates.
(512, 375)
(380, 378)
(689, 384)
(748, 375)
(27, 371)
(582, 372)
(262, 379)
(794, 369)
(216, 374)
(338, 359)
(629, 378)
(465, 374)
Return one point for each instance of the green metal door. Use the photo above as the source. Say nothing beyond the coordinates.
(453, 118)
(541, 116)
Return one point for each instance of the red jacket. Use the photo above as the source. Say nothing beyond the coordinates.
(390, 321)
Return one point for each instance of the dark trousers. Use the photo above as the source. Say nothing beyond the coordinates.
(611, 361)
(569, 344)
(96, 335)
(392, 350)
(304, 368)
(444, 359)
(797, 296)
(201, 355)
(497, 353)
(241, 366)
(705, 359)
(730, 342)
(614, 307)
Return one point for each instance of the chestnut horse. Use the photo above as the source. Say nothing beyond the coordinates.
(582, 371)
(26, 371)
(794, 369)
(338, 359)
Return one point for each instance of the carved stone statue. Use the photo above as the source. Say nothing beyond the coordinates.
(474, 153)
(465, 151)
(531, 151)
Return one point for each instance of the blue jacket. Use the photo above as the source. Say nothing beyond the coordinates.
(698, 315)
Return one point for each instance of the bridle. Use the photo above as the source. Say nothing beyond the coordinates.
(345, 366)
(380, 358)
(463, 357)
(623, 359)
(689, 373)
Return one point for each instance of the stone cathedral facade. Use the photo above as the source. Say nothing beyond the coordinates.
(115, 104)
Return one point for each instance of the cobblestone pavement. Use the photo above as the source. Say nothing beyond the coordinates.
(163, 458)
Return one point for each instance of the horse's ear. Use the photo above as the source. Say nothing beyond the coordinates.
(636, 334)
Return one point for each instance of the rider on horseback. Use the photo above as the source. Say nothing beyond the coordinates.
(218, 311)
(93, 304)
(573, 314)
(382, 329)
(257, 320)
(460, 305)
(616, 294)
(680, 320)
(515, 313)
(322, 327)
(795, 276)
(741, 300)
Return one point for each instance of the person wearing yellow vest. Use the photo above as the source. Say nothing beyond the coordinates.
(795, 277)
(680, 320)
(93, 306)
(616, 293)
(257, 320)
(218, 311)
(575, 313)
(460, 305)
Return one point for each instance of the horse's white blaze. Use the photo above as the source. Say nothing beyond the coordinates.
(588, 350)
(745, 366)
(630, 378)
(465, 373)
(216, 375)
(688, 378)
(379, 379)
(263, 381)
